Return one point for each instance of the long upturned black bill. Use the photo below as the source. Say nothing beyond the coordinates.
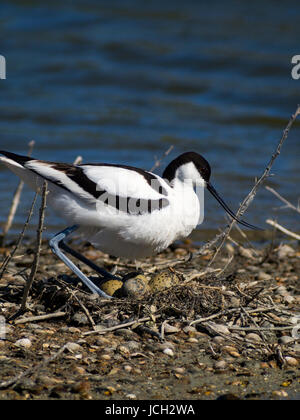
(230, 212)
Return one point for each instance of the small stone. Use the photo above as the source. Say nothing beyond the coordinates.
(291, 361)
(179, 370)
(218, 339)
(170, 329)
(80, 319)
(286, 339)
(169, 352)
(73, 347)
(105, 357)
(123, 350)
(133, 345)
(192, 340)
(281, 290)
(219, 328)
(166, 345)
(128, 368)
(288, 298)
(253, 337)
(80, 370)
(285, 251)
(220, 365)
(189, 329)
(264, 276)
(24, 343)
(280, 393)
(131, 396)
(232, 351)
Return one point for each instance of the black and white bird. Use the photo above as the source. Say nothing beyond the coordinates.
(122, 210)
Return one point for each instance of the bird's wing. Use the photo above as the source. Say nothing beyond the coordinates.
(118, 186)
(126, 181)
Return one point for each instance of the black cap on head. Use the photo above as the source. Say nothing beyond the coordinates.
(201, 164)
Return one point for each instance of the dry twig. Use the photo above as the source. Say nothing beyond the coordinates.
(11, 255)
(15, 201)
(38, 248)
(283, 229)
(158, 161)
(247, 201)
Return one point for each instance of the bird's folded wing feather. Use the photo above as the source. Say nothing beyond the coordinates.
(90, 181)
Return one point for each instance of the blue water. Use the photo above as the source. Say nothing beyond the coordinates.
(122, 81)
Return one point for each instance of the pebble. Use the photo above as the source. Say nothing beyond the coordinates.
(179, 370)
(128, 368)
(286, 339)
(219, 328)
(253, 337)
(220, 365)
(291, 361)
(280, 393)
(123, 350)
(170, 329)
(192, 340)
(232, 351)
(189, 329)
(264, 276)
(24, 343)
(73, 347)
(218, 339)
(166, 345)
(285, 251)
(169, 352)
(133, 345)
(80, 318)
(131, 396)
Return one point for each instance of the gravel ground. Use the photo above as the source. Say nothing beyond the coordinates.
(227, 333)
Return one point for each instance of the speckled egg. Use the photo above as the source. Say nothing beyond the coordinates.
(135, 287)
(110, 287)
(163, 280)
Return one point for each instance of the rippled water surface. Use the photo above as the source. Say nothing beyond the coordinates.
(122, 81)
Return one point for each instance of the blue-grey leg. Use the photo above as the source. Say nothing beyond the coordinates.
(57, 242)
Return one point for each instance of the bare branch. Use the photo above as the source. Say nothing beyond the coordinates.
(158, 161)
(283, 229)
(247, 201)
(284, 200)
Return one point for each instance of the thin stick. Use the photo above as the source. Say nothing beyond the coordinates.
(229, 311)
(8, 259)
(246, 202)
(117, 327)
(158, 161)
(40, 317)
(15, 201)
(38, 248)
(233, 327)
(284, 200)
(85, 310)
(283, 229)
(78, 160)
(30, 371)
